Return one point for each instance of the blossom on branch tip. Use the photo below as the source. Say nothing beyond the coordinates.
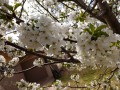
(38, 62)
(24, 85)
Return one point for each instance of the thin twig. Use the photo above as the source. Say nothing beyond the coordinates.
(84, 6)
(47, 11)
(22, 8)
(33, 67)
(70, 40)
(28, 69)
(112, 73)
(69, 55)
(68, 6)
(11, 16)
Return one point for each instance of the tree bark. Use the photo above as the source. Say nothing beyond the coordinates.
(106, 15)
(86, 8)
(109, 16)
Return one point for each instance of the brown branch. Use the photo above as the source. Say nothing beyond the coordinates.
(70, 51)
(47, 11)
(68, 6)
(40, 55)
(70, 40)
(84, 6)
(28, 69)
(11, 16)
(109, 17)
(22, 8)
(94, 5)
(112, 73)
(33, 67)
(69, 55)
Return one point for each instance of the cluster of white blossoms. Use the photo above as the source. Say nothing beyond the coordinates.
(23, 85)
(9, 72)
(38, 62)
(42, 33)
(48, 3)
(7, 67)
(10, 50)
(58, 84)
(6, 27)
(2, 60)
(14, 61)
(72, 66)
(75, 77)
(98, 47)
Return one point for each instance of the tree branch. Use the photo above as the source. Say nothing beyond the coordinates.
(28, 69)
(84, 6)
(22, 8)
(47, 11)
(40, 55)
(109, 17)
(112, 73)
(70, 40)
(94, 5)
(68, 6)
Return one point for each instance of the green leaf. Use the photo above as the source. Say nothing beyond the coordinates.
(81, 17)
(116, 44)
(9, 7)
(2, 16)
(103, 33)
(87, 30)
(98, 34)
(92, 28)
(101, 27)
(17, 5)
(63, 15)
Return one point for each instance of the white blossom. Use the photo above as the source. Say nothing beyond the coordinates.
(58, 84)
(2, 60)
(43, 33)
(72, 15)
(9, 73)
(100, 51)
(38, 62)
(23, 85)
(75, 77)
(14, 61)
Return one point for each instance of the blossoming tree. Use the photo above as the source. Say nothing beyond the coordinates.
(75, 33)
